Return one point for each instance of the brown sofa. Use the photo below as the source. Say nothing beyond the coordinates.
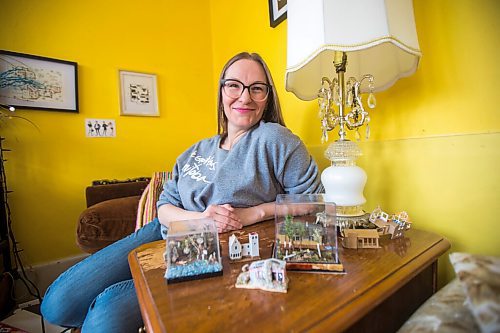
(111, 212)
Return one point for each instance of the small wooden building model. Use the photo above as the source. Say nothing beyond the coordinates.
(378, 214)
(389, 228)
(403, 217)
(395, 225)
(361, 239)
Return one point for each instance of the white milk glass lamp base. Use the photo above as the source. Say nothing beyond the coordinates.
(344, 185)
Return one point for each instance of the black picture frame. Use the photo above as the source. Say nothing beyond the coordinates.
(277, 12)
(40, 83)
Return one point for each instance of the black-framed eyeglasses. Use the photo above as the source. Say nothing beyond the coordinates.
(234, 89)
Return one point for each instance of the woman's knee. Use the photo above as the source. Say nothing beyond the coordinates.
(58, 307)
(116, 309)
(66, 301)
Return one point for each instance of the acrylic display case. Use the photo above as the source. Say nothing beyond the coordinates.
(192, 250)
(306, 234)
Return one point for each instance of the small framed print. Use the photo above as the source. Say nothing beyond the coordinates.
(277, 12)
(138, 94)
(34, 82)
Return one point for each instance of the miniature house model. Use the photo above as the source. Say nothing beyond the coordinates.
(361, 239)
(250, 249)
(268, 274)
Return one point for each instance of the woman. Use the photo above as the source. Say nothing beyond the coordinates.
(232, 178)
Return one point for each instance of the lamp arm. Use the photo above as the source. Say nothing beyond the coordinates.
(368, 77)
(355, 118)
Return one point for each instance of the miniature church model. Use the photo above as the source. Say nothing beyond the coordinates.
(238, 250)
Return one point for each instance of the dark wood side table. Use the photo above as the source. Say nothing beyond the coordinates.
(380, 290)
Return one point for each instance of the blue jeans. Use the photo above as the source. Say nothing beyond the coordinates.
(98, 294)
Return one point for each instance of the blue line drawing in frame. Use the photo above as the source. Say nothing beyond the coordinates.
(37, 82)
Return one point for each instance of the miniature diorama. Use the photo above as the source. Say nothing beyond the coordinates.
(306, 237)
(365, 234)
(268, 275)
(246, 251)
(192, 250)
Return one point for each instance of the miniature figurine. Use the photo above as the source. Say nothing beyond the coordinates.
(321, 218)
(268, 275)
(251, 249)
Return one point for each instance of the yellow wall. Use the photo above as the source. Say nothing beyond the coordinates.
(49, 169)
(435, 135)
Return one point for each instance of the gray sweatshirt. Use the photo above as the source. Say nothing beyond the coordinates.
(267, 160)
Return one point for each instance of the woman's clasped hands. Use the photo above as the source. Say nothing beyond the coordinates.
(224, 216)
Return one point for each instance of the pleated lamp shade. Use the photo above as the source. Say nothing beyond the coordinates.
(378, 36)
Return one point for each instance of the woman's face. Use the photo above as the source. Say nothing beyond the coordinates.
(242, 113)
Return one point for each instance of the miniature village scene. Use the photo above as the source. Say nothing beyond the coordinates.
(307, 242)
(268, 275)
(365, 233)
(192, 250)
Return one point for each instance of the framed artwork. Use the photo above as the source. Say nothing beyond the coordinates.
(138, 94)
(277, 12)
(34, 82)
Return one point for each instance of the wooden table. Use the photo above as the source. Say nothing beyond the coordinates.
(378, 292)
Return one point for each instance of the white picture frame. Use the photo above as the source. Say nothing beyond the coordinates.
(138, 94)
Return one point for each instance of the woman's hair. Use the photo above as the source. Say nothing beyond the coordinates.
(272, 111)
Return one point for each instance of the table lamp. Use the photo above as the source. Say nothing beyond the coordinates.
(367, 45)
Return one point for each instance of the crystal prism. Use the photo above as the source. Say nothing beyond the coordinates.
(372, 102)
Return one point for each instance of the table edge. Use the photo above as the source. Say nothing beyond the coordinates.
(350, 313)
(144, 297)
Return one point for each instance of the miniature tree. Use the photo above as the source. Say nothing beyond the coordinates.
(300, 230)
(289, 230)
